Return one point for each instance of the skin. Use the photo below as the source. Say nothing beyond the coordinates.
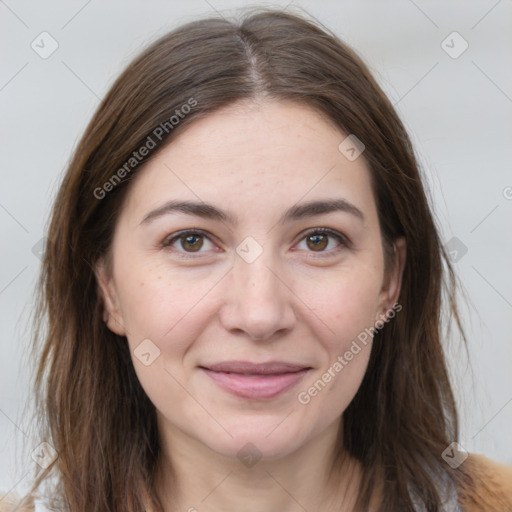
(295, 303)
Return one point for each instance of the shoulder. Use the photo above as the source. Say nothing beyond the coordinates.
(489, 488)
(14, 503)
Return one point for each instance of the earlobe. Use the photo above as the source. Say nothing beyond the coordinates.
(108, 295)
(393, 281)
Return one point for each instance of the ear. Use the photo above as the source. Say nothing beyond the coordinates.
(392, 282)
(108, 293)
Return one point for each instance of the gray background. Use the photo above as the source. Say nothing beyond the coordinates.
(458, 111)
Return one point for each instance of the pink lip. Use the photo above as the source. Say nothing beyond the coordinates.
(256, 381)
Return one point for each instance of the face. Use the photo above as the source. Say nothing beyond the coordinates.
(248, 311)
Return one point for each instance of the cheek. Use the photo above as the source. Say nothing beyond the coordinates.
(157, 304)
(164, 314)
(346, 301)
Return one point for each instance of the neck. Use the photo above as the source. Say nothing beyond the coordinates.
(191, 477)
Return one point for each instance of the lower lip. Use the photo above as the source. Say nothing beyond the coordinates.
(256, 386)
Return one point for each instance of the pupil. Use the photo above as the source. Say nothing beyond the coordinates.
(319, 241)
(190, 241)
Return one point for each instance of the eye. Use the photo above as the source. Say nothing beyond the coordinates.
(318, 240)
(190, 241)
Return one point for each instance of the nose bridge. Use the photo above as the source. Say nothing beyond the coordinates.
(259, 302)
(253, 273)
(256, 278)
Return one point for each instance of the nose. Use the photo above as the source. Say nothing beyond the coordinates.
(259, 302)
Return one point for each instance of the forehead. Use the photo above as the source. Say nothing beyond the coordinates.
(253, 157)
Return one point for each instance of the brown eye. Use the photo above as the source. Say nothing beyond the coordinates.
(317, 242)
(187, 242)
(324, 241)
(191, 242)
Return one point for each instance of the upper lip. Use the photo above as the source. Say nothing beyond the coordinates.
(249, 368)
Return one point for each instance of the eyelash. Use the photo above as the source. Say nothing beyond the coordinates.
(342, 239)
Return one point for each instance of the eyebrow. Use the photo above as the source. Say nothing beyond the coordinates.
(296, 212)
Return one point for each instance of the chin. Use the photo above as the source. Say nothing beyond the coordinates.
(258, 439)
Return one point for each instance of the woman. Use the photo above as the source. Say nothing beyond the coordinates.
(243, 287)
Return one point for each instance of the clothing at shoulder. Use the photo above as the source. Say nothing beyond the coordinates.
(489, 491)
(9, 502)
(13, 503)
(491, 486)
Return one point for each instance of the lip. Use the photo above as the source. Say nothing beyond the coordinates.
(256, 381)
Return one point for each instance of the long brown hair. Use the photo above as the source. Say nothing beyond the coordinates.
(93, 410)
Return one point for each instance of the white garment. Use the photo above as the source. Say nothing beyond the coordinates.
(39, 506)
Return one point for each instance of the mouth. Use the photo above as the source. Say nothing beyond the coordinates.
(255, 381)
